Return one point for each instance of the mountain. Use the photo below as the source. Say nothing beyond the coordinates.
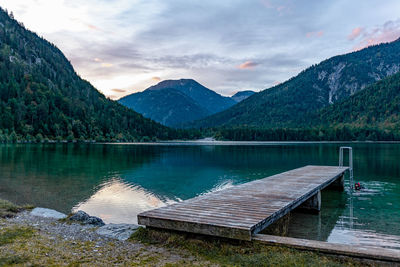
(185, 100)
(290, 103)
(377, 106)
(42, 97)
(370, 114)
(242, 95)
(167, 106)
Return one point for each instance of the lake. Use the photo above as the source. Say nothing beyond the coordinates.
(118, 181)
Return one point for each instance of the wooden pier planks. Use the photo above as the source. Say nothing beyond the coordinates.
(244, 210)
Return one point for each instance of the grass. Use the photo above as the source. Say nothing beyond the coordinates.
(238, 253)
(12, 260)
(9, 235)
(25, 246)
(8, 209)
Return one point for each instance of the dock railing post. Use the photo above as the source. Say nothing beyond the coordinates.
(350, 149)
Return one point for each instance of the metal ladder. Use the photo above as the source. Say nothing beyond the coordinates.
(341, 150)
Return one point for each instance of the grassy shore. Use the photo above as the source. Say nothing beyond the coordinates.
(8, 209)
(226, 252)
(24, 244)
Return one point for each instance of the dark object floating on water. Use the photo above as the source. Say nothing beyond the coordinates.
(358, 186)
(85, 218)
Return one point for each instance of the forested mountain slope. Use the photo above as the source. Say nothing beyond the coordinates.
(370, 114)
(378, 106)
(41, 96)
(290, 103)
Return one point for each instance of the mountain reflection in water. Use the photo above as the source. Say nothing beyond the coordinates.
(119, 202)
(118, 181)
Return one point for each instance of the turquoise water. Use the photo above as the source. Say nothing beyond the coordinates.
(117, 181)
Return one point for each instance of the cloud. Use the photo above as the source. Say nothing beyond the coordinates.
(248, 65)
(106, 65)
(190, 61)
(270, 5)
(118, 90)
(267, 3)
(87, 25)
(355, 33)
(388, 32)
(118, 44)
(314, 34)
(92, 27)
(156, 79)
(277, 83)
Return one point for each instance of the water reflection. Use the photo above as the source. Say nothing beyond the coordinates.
(363, 237)
(352, 230)
(119, 202)
(116, 182)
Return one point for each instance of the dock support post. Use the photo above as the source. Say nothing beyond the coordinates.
(312, 205)
(338, 184)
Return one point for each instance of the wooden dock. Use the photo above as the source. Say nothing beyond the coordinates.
(244, 210)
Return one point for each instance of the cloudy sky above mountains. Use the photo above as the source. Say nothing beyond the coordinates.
(124, 46)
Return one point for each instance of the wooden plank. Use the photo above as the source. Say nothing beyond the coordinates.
(192, 227)
(209, 218)
(246, 209)
(358, 251)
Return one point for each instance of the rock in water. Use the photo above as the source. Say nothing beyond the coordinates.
(117, 231)
(48, 213)
(85, 218)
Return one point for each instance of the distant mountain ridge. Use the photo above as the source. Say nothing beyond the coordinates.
(289, 104)
(167, 106)
(242, 95)
(173, 102)
(206, 98)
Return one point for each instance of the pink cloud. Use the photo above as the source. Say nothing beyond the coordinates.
(88, 25)
(270, 5)
(276, 83)
(156, 79)
(247, 65)
(267, 3)
(388, 32)
(314, 34)
(92, 27)
(355, 33)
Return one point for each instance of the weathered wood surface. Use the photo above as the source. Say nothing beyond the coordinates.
(243, 210)
(364, 252)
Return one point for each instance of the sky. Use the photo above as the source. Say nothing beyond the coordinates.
(125, 46)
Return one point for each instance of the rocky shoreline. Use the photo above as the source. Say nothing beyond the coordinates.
(58, 240)
(80, 226)
(43, 237)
